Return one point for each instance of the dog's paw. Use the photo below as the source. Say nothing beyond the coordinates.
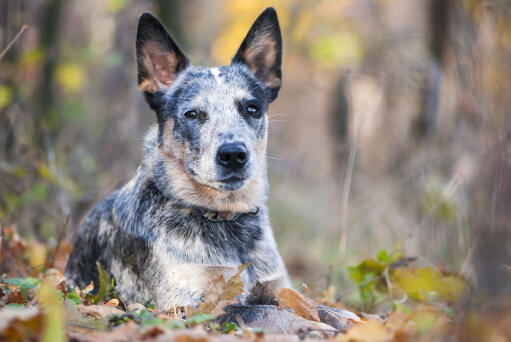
(341, 320)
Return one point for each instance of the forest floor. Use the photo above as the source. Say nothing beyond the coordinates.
(398, 301)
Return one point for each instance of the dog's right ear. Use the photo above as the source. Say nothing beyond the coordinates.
(159, 59)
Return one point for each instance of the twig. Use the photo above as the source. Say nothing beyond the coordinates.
(345, 195)
(11, 43)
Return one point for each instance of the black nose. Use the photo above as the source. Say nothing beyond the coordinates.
(233, 156)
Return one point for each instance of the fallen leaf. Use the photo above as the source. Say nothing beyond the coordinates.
(220, 294)
(113, 302)
(370, 331)
(15, 296)
(17, 324)
(99, 311)
(301, 305)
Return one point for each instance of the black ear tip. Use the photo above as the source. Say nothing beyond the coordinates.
(269, 13)
(146, 16)
(147, 19)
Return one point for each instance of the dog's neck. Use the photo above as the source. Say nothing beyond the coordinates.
(171, 178)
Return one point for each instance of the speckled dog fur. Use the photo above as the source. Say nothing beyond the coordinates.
(155, 234)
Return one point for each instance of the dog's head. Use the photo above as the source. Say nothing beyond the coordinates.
(212, 121)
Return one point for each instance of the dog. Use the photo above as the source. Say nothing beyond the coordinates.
(197, 201)
(196, 205)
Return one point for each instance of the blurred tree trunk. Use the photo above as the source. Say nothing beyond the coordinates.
(9, 12)
(492, 223)
(44, 107)
(439, 14)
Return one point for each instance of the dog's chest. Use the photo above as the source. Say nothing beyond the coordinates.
(195, 239)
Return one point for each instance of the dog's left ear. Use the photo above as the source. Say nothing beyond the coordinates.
(159, 59)
(261, 51)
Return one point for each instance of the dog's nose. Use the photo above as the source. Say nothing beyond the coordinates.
(233, 156)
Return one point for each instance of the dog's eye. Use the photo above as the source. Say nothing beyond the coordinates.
(252, 110)
(192, 114)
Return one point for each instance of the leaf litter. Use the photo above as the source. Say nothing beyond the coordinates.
(398, 301)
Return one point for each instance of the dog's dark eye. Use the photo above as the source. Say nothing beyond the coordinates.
(253, 110)
(192, 114)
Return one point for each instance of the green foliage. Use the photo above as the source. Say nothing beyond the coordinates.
(106, 286)
(24, 283)
(369, 275)
(199, 318)
(147, 318)
(228, 327)
(374, 276)
(74, 298)
(175, 324)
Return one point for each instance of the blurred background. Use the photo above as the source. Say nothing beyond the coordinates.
(391, 130)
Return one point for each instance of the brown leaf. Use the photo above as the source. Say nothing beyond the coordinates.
(99, 311)
(301, 305)
(220, 293)
(19, 324)
(15, 296)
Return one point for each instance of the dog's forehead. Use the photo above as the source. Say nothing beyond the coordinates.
(207, 86)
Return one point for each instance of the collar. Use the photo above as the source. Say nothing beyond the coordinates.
(219, 216)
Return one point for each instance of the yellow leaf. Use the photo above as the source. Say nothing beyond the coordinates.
(71, 77)
(371, 331)
(423, 282)
(5, 96)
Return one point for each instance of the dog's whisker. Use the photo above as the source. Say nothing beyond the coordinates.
(274, 158)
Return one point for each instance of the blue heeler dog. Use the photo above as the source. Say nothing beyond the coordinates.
(197, 202)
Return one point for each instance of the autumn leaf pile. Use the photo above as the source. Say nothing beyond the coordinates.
(399, 301)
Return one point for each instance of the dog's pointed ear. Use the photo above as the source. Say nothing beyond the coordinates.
(261, 51)
(159, 58)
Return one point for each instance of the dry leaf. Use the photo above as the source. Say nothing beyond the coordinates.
(371, 331)
(15, 296)
(113, 302)
(19, 324)
(99, 311)
(220, 294)
(301, 305)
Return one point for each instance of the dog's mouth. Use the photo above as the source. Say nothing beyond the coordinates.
(232, 182)
(229, 182)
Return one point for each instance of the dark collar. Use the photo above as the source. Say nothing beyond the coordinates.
(218, 216)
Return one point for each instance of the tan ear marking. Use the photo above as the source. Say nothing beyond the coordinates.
(161, 67)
